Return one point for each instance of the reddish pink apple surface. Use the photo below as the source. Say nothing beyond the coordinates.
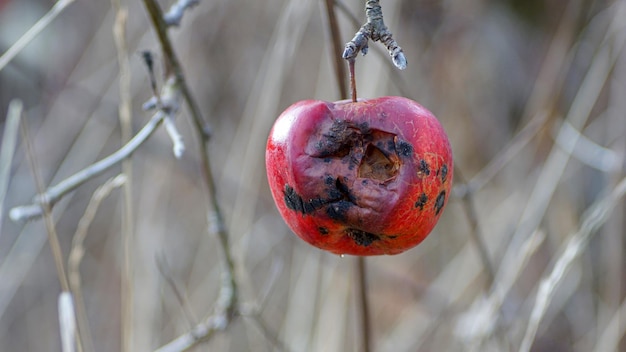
(364, 178)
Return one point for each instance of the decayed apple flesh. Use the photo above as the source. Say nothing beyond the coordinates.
(364, 178)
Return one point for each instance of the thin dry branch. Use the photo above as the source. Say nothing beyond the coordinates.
(335, 36)
(174, 16)
(397, 79)
(43, 22)
(226, 304)
(53, 238)
(77, 252)
(67, 321)
(55, 193)
(515, 259)
(594, 217)
(7, 150)
(616, 326)
(125, 116)
(363, 305)
(375, 30)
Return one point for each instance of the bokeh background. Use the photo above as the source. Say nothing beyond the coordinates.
(532, 94)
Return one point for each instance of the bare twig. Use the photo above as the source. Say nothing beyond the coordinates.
(125, 112)
(586, 150)
(335, 36)
(606, 341)
(396, 78)
(227, 300)
(175, 136)
(53, 238)
(77, 252)
(172, 65)
(148, 59)
(475, 231)
(55, 193)
(43, 22)
(364, 307)
(66, 311)
(67, 322)
(548, 82)
(496, 164)
(181, 297)
(558, 158)
(514, 259)
(595, 216)
(480, 320)
(175, 13)
(375, 30)
(270, 335)
(9, 142)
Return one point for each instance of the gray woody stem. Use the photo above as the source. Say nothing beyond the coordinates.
(55, 193)
(375, 30)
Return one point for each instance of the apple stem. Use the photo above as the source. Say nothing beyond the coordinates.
(351, 63)
(375, 30)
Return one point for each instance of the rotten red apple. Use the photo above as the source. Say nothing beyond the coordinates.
(362, 178)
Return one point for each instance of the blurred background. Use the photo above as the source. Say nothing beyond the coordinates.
(532, 94)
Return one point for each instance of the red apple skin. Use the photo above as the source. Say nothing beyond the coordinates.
(364, 178)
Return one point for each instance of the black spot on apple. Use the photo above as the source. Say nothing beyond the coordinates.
(344, 190)
(362, 238)
(364, 127)
(439, 202)
(337, 140)
(444, 172)
(421, 201)
(323, 230)
(295, 202)
(423, 169)
(338, 210)
(404, 149)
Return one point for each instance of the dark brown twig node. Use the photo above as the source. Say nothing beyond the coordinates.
(148, 59)
(375, 30)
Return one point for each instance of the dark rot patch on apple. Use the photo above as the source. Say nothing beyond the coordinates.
(441, 198)
(338, 210)
(348, 177)
(421, 202)
(362, 238)
(444, 172)
(423, 169)
(404, 149)
(337, 141)
(295, 202)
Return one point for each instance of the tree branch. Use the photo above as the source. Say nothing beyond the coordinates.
(55, 193)
(226, 303)
(176, 11)
(375, 30)
(593, 218)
